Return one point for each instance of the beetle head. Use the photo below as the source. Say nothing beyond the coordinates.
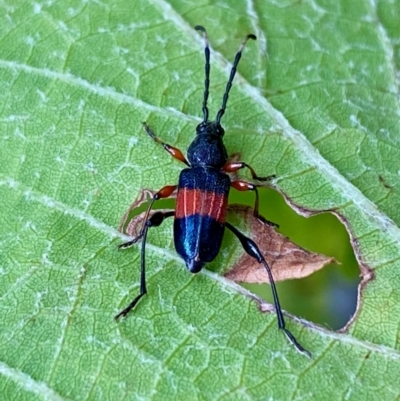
(210, 128)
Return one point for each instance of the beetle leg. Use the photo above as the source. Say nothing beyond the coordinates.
(247, 186)
(154, 221)
(174, 152)
(232, 167)
(164, 192)
(252, 249)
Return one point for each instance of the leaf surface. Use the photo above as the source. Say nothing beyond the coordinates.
(315, 102)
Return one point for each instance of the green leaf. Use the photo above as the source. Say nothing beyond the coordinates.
(316, 102)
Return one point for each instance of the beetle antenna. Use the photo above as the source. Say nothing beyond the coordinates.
(233, 72)
(207, 72)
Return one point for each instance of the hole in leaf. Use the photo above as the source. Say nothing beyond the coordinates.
(328, 296)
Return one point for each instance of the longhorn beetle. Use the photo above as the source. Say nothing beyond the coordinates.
(201, 203)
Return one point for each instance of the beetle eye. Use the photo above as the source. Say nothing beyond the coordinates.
(220, 130)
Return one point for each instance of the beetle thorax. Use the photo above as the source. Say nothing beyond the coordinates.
(207, 149)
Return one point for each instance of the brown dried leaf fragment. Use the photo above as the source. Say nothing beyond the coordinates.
(131, 222)
(286, 259)
(128, 223)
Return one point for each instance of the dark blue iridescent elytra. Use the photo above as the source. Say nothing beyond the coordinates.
(197, 240)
